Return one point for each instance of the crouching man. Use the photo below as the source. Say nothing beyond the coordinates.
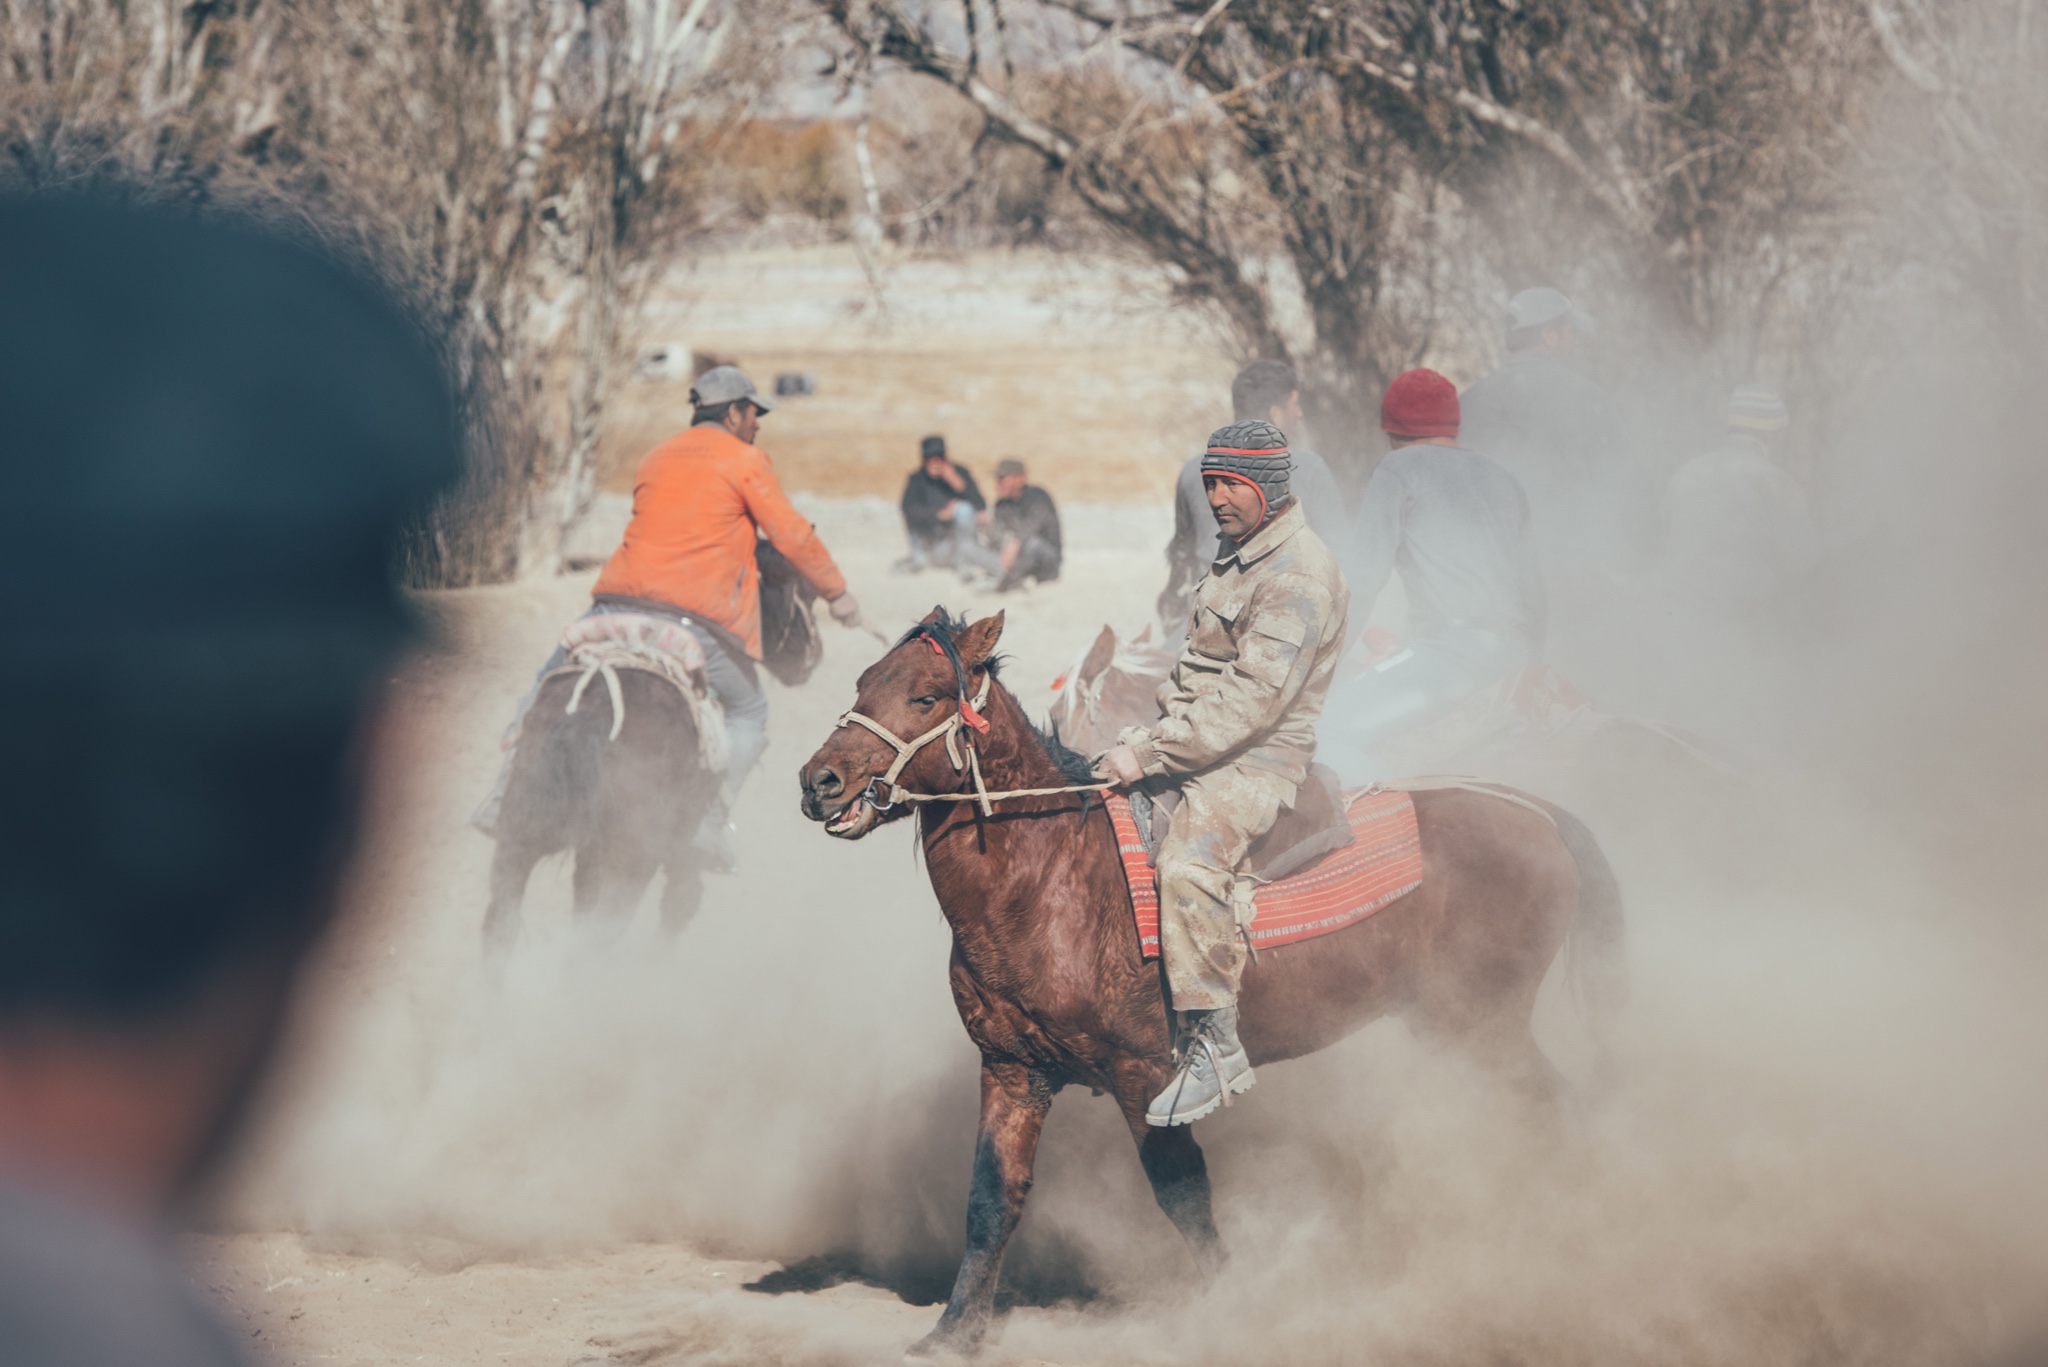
(1238, 730)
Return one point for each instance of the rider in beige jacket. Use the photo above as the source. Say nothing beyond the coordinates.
(1238, 729)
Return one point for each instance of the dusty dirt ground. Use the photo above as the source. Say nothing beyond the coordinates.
(643, 1303)
(751, 1145)
(358, 1282)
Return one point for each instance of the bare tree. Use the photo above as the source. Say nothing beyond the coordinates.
(1967, 163)
(506, 162)
(1346, 162)
(515, 154)
(159, 92)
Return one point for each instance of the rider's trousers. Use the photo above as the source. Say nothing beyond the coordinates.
(1202, 900)
(1425, 679)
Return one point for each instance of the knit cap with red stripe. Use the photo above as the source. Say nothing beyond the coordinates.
(1254, 452)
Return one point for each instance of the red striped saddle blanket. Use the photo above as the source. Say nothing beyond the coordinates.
(1382, 862)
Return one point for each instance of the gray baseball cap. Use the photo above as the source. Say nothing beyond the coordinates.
(1540, 307)
(725, 383)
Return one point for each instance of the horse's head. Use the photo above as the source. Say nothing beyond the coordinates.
(1114, 684)
(932, 677)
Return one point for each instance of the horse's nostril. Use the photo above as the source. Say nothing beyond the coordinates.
(827, 783)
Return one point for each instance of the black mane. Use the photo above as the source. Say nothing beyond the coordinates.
(1077, 767)
(942, 632)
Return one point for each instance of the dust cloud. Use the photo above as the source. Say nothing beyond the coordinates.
(1822, 1140)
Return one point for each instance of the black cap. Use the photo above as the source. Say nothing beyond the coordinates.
(931, 448)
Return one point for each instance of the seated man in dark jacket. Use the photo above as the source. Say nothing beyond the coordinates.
(940, 503)
(1026, 527)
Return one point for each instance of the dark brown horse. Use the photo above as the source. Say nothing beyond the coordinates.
(1046, 968)
(626, 806)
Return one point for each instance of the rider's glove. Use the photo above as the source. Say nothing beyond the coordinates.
(844, 609)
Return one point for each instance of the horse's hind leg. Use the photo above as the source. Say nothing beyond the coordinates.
(1505, 1048)
(1014, 1101)
(511, 866)
(611, 875)
(681, 895)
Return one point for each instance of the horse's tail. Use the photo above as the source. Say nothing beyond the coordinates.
(1596, 946)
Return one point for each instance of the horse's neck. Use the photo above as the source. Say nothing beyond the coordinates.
(980, 867)
(1012, 755)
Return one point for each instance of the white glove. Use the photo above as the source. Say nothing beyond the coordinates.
(845, 610)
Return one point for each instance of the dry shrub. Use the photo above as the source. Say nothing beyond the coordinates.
(1350, 185)
(504, 166)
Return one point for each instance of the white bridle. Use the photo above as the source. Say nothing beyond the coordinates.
(969, 714)
(906, 751)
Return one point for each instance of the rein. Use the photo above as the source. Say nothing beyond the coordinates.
(948, 730)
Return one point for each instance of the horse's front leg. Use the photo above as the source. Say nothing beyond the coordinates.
(1014, 1100)
(1173, 1163)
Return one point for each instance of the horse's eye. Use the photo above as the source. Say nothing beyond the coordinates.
(926, 702)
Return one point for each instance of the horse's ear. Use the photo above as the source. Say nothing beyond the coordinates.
(1099, 655)
(937, 614)
(978, 642)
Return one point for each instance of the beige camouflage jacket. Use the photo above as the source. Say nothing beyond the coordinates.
(1263, 643)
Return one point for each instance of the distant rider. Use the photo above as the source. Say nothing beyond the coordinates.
(701, 502)
(1738, 539)
(1265, 391)
(1558, 433)
(1456, 525)
(1238, 731)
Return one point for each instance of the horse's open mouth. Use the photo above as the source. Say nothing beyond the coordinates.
(853, 822)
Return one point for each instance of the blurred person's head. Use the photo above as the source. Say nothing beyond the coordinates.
(1542, 319)
(212, 439)
(931, 454)
(724, 396)
(1009, 478)
(1267, 391)
(1420, 408)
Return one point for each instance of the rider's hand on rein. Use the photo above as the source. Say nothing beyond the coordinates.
(1120, 764)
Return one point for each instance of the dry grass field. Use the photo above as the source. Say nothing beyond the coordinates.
(1081, 370)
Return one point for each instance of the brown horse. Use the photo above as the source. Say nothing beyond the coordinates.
(626, 805)
(1046, 968)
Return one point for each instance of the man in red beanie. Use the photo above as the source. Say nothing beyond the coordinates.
(1456, 524)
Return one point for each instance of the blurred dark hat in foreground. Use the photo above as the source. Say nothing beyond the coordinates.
(209, 441)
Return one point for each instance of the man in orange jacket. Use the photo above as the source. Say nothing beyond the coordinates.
(701, 502)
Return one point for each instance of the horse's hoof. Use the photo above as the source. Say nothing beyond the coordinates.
(942, 1345)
